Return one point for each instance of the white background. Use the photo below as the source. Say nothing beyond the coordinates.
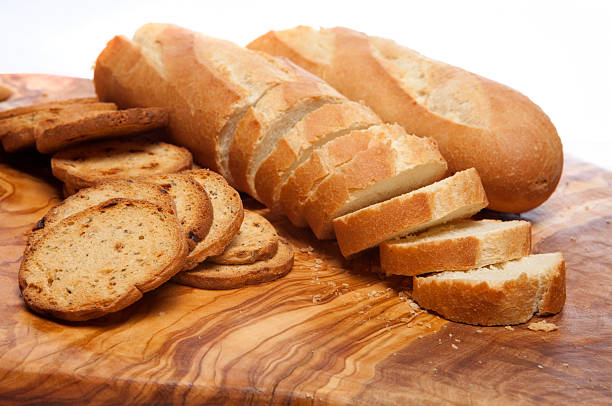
(557, 53)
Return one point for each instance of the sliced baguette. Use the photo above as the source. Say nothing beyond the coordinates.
(393, 163)
(256, 241)
(228, 214)
(507, 293)
(193, 207)
(209, 275)
(295, 147)
(90, 163)
(103, 125)
(102, 259)
(460, 245)
(269, 119)
(458, 196)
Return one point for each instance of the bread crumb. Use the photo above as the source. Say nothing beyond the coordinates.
(479, 331)
(480, 362)
(457, 340)
(419, 337)
(509, 328)
(307, 249)
(565, 364)
(316, 299)
(439, 341)
(454, 347)
(542, 326)
(540, 366)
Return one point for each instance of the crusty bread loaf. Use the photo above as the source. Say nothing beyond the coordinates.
(458, 196)
(295, 147)
(102, 259)
(507, 293)
(227, 216)
(460, 245)
(477, 122)
(256, 241)
(392, 164)
(102, 125)
(193, 207)
(209, 275)
(269, 119)
(90, 163)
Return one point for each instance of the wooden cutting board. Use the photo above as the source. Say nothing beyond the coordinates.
(332, 332)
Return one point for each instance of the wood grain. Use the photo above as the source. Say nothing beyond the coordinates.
(332, 332)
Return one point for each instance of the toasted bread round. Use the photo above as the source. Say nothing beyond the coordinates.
(90, 163)
(102, 259)
(256, 240)
(17, 111)
(209, 275)
(193, 207)
(227, 216)
(103, 125)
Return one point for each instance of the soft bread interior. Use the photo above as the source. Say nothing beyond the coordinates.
(458, 229)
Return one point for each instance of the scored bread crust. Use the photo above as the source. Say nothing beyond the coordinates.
(447, 252)
(228, 214)
(100, 278)
(314, 130)
(20, 132)
(90, 163)
(255, 241)
(209, 275)
(193, 207)
(493, 302)
(458, 196)
(103, 125)
(393, 163)
(477, 122)
(17, 111)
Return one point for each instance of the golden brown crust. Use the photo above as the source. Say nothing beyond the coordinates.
(214, 276)
(461, 195)
(59, 104)
(103, 125)
(5, 93)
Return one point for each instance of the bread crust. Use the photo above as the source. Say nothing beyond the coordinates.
(214, 276)
(47, 292)
(103, 125)
(17, 111)
(477, 122)
(461, 195)
(412, 257)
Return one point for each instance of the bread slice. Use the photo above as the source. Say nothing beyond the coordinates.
(102, 259)
(88, 197)
(209, 275)
(256, 241)
(5, 93)
(193, 207)
(393, 163)
(56, 104)
(227, 216)
(507, 293)
(103, 125)
(458, 196)
(460, 245)
(295, 147)
(269, 119)
(20, 132)
(90, 163)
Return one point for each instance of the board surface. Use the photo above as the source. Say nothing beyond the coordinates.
(332, 332)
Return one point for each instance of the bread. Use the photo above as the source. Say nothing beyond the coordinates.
(90, 163)
(460, 245)
(227, 216)
(101, 260)
(56, 104)
(103, 125)
(193, 207)
(277, 112)
(477, 122)
(86, 198)
(393, 163)
(209, 275)
(256, 241)
(5, 93)
(295, 147)
(20, 132)
(207, 84)
(458, 196)
(507, 293)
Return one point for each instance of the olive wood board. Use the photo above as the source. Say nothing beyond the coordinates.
(332, 332)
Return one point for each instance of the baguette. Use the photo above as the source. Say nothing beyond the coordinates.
(507, 293)
(458, 196)
(459, 245)
(477, 122)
